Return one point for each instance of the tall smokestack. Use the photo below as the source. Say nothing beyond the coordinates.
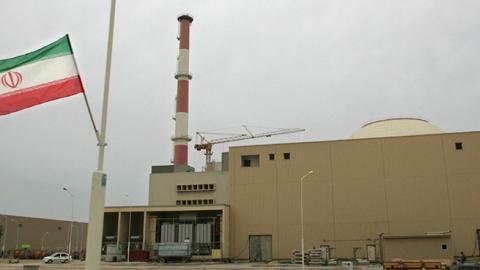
(181, 139)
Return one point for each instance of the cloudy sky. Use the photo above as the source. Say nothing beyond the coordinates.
(327, 66)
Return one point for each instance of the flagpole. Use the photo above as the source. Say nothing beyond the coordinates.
(99, 178)
(91, 118)
(83, 92)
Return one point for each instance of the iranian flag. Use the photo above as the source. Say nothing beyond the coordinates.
(43, 75)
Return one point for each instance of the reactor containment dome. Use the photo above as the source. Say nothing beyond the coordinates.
(394, 127)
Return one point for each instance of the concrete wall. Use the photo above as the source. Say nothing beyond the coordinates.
(360, 188)
(163, 187)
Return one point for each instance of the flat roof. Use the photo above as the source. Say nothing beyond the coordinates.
(170, 208)
(358, 139)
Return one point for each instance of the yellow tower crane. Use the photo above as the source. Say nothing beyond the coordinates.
(207, 144)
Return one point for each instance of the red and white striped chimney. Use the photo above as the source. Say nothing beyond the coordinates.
(181, 139)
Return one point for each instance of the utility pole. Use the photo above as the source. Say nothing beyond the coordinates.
(71, 224)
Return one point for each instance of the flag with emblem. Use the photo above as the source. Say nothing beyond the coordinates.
(34, 78)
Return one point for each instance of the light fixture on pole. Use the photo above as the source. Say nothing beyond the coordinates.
(71, 224)
(129, 227)
(301, 215)
(19, 225)
(5, 236)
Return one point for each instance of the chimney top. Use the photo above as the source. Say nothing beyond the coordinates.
(185, 17)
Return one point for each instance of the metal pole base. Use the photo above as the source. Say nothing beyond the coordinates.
(95, 221)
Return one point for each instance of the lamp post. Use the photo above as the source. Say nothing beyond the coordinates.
(19, 225)
(301, 215)
(71, 224)
(4, 236)
(43, 239)
(129, 227)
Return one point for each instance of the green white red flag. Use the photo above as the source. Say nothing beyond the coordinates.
(37, 77)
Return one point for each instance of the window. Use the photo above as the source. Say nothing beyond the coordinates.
(251, 161)
(196, 188)
(458, 146)
(286, 155)
(444, 246)
(271, 156)
(195, 202)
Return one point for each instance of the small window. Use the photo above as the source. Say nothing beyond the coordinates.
(205, 201)
(251, 161)
(210, 201)
(211, 187)
(444, 246)
(271, 156)
(286, 155)
(179, 202)
(179, 187)
(458, 146)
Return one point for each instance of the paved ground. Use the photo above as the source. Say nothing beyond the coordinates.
(77, 265)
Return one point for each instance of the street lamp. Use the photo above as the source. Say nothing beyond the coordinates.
(301, 215)
(129, 227)
(71, 224)
(5, 236)
(19, 225)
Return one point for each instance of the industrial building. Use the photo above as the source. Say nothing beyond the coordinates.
(398, 188)
(32, 237)
(412, 196)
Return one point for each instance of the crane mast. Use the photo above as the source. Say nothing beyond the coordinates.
(207, 144)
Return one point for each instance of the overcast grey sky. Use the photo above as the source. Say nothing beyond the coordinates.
(327, 66)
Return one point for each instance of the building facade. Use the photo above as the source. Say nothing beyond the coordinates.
(40, 236)
(409, 196)
(378, 196)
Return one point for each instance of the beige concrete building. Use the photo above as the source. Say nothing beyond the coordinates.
(419, 192)
(39, 235)
(377, 195)
(183, 205)
(186, 188)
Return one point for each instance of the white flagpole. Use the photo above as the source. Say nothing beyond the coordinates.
(99, 178)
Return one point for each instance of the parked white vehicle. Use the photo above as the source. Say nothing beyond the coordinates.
(57, 257)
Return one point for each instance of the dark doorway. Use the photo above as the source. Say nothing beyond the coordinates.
(260, 248)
